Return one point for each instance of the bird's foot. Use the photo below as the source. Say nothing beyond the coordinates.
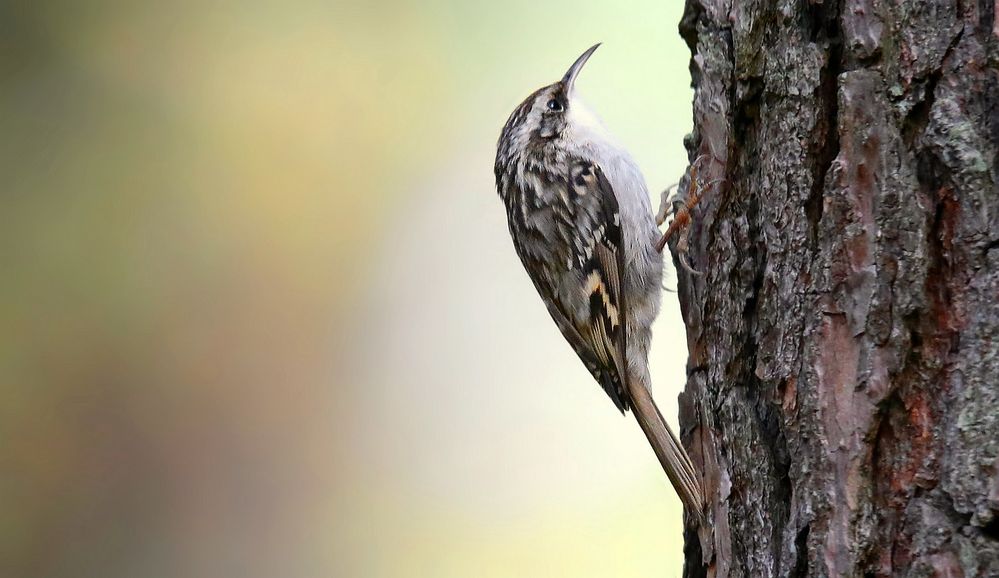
(667, 201)
(682, 211)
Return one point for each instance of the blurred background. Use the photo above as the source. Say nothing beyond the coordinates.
(260, 314)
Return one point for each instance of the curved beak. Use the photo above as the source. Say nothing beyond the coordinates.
(570, 77)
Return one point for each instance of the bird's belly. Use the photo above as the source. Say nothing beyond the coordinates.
(644, 268)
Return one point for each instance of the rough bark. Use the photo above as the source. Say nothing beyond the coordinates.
(843, 379)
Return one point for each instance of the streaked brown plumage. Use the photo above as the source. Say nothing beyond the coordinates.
(581, 222)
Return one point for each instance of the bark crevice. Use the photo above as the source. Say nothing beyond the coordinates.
(841, 395)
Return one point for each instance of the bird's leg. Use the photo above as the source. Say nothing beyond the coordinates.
(682, 246)
(681, 210)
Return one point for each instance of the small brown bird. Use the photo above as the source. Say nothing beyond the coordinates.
(581, 221)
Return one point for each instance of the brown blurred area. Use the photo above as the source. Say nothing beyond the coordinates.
(178, 261)
(237, 336)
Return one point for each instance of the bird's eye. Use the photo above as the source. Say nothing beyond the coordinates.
(554, 105)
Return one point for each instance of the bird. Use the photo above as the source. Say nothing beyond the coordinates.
(581, 221)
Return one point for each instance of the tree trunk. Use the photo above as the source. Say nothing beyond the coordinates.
(842, 396)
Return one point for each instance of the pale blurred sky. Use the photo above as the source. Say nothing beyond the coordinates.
(263, 316)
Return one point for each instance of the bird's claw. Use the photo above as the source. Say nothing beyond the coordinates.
(681, 209)
(667, 204)
(686, 265)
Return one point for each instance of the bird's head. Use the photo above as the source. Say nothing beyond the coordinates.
(550, 112)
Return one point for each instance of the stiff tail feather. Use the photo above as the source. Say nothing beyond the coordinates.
(674, 459)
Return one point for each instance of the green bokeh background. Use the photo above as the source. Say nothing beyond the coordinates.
(260, 315)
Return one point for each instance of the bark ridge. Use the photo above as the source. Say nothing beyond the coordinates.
(843, 376)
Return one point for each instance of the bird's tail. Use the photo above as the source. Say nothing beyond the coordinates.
(671, 454)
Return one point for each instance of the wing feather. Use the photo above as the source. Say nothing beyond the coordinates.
(579, 271)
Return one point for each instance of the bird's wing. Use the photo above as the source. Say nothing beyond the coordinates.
(582, 285)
